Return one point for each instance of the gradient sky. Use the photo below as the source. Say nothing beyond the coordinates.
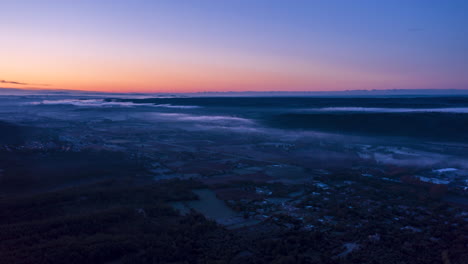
(233, 45)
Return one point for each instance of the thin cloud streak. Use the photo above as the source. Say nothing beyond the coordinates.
(21, 83)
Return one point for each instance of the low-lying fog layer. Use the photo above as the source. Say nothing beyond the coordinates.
(103, 103)
(280, 122)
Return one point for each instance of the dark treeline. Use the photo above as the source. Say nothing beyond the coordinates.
(432, 126)
(11, 134)
(307, 102)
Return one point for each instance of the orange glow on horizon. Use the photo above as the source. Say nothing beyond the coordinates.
(77, 65)
(176, 77)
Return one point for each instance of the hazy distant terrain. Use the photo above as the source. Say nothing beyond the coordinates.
(109, 178)
(436, 118)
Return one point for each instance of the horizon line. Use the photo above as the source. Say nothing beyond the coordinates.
(439, 90)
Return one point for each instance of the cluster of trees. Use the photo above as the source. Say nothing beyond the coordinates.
(25, 171)
(103, 222)
(120, 221)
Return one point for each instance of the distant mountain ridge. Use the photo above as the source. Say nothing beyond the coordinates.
(365, 93)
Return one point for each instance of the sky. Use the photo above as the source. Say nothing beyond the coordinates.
(233, 45)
